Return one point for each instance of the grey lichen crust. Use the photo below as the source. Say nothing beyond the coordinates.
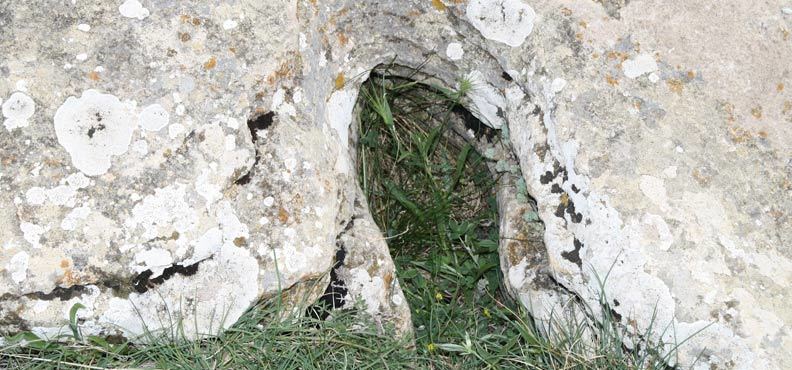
(655, 139)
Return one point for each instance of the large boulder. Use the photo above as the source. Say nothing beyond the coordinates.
(173, 162)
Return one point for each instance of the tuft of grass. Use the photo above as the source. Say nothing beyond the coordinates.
(266, 337)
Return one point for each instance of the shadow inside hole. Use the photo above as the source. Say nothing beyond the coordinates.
(255, 124)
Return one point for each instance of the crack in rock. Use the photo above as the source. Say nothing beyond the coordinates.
(143, 281)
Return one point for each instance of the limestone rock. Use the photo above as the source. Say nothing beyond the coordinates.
(654, 137)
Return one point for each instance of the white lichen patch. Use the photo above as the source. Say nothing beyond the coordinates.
(32, 233)
(207, 187)
(164, 211)
(156, 260)
(229, 24)
(133, 9)
(175, 130)
(640, 65)
(74, 217)
(454, 51)
(17, 110)
(489, 102)
(93, 129)
(18, 266)
(280, 105)
(370, 288)
(339, 115)
(230, 224)
(206, 245)
(61, 195)
(506, 21)
(153, 118)
(35, 196)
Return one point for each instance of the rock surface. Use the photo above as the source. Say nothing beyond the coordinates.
(656, 138)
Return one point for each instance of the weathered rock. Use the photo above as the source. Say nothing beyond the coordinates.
(654, 137)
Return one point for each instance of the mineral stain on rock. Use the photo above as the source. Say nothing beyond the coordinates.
(574, 255)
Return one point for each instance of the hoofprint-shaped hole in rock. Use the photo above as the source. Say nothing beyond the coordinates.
(433, 173)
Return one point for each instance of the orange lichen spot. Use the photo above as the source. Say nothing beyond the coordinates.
(64, 263)
(611, 80)
(762, 134)
(240, 241)
(232, 50)
(675, 85)
(211, 63)
(780, 87)
(564, 199)
(739, 135)
(184, 18)
(700, 178)
(340, 80)
(757, 112)
(617, 55)
(728, 108)
(583, 24)
(68, 278)
(286, 69)
(388, 278)
(175, 235)
(691, 75)
(342, 38)
(184, 36)
(566, 11)
(595, 55)
(437, 4)
(93, 76)
(196, 21)
(283, 216)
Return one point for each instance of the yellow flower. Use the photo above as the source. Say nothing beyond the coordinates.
(439, 296)
(431, 347)
(487, 313)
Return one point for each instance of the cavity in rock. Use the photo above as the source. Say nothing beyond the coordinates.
(143, 281)
(333, 296)
(261, 122)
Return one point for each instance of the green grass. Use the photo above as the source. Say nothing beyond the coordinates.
(432, 196)
(261, 339)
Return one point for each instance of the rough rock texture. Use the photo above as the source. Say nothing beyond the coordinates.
(654, 136)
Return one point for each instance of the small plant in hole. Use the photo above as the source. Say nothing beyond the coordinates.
(433, 197)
